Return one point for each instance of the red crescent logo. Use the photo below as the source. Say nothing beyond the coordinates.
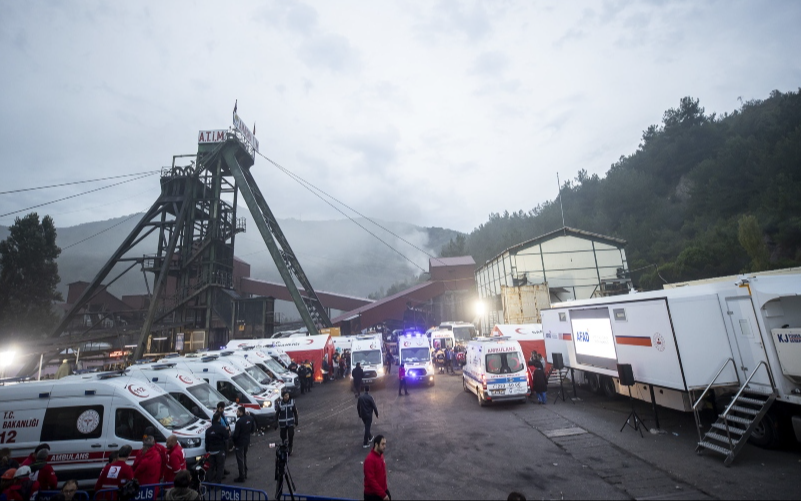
(228, 370)
(406, 344)
(139, 391)
(309, 341)
(186, 379)
(519, 330)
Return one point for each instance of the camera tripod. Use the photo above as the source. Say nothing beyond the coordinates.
(633, 418)
(282, 475)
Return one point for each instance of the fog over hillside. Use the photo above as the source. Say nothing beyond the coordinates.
(338, 256)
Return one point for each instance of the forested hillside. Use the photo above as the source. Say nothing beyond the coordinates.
(703, 196)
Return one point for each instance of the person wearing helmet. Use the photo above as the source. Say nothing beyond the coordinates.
(22, 488)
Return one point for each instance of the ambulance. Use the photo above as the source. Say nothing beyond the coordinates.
(368, 351)
(246, 366)
(234, 384)
(442, 339)
(496, 371)
(189, 390)
(272, 367)
(266, 345)
(415, 355)
(85, 420)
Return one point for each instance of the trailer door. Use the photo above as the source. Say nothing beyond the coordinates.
(748, 340)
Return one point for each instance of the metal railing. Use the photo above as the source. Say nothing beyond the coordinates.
(708, 387)
(208, 492)
(742, 389)
(307, 497)
(46, 495)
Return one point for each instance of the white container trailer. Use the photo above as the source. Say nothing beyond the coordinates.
(740, 336)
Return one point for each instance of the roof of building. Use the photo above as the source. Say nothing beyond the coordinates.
(451, 261)
(564, 231)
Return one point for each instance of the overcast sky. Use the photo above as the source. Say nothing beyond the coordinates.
(432, 113)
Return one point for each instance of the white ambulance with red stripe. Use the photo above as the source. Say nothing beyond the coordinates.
(85, 419)
(234, 384)
(495, 370)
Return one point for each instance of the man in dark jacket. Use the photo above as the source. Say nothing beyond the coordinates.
(245, 425)
(366, 407)
(287, 419)
(358, 374)
(216, 439)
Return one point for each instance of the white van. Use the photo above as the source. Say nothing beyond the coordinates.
(266, 345)
(235, 385)
(246, 366)
(189, 390)
(272, 367)
(86, 418)
(415, 355)
(441, 339)
(463, 332)
(369, 351)
(496, 370)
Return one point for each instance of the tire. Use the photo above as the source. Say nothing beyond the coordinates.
(464, 385)
(766, 434)
(481, 401)
(608, 386)
(593, 383)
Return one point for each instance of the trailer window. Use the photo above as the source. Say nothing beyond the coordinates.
(504, 363)
(72, 423)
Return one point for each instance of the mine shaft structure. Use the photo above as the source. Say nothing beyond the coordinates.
(193, 264)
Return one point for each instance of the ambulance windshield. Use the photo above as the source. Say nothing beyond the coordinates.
(371, 357)
(504, 363)
(208, 396)
(167, 411)
(274, 366)
(464, 333)
(248, 384)
(259, 375)
(415, 355)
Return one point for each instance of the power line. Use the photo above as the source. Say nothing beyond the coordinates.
(309, 187)
(299, 180)
(77, 195)
(102, 231)
(77, 182)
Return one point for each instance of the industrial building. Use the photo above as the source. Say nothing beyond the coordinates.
(562, 265)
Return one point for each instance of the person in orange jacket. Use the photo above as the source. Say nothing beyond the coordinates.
(175, 459)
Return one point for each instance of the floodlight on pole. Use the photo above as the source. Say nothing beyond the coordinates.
(6, 357)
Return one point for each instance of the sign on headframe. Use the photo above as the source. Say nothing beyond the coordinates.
(248, 135)
(211, 136)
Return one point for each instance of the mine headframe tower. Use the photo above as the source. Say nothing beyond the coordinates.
(196, 228)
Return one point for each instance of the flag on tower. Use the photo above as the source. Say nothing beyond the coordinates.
(235, 102)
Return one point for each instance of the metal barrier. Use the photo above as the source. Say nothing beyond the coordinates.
(220, 492)
(306, 497)
(46, 495)
(149, 492)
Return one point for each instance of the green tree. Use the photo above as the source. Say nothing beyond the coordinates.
(456, 247)
(750, 236)
(28, 277)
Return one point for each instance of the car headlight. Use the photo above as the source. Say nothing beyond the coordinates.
(380, 372)
(267, 404)
(188, 443)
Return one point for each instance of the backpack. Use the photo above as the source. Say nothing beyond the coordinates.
(129, 490)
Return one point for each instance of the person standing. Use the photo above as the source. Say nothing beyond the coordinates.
(216, 445)
(365, 406)
(358, 374)
(245, 425)
(148, 469)
(151, 432)
(540, 383)
(22, 488)
(181, 491)
(116, 473)
(43, 473)
(402, 379)
(175, 459)
(63, 369)
(449, 361)
(287, 419)
(375, 472)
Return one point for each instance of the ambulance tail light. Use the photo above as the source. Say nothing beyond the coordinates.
(484, 381)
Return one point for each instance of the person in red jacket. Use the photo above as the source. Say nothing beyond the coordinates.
(116, 473)
(151, 432)
(375, 472)
(402, 379)
(23, 487)
(32, 456)
(43, 473)
(175, 459)
(147, 470)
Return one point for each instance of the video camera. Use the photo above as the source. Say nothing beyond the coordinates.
(281, 457)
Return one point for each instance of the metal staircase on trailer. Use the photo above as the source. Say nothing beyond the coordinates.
(729, 434)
